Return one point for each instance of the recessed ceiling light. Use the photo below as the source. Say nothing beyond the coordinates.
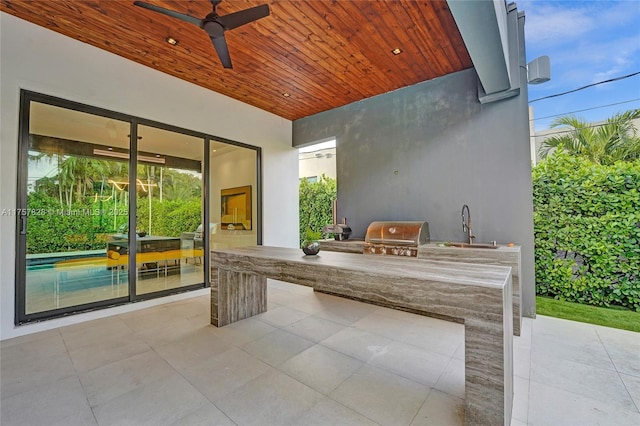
(396, 51)
(110, 149)
(158, 155)
(286, 95)
(172, 41)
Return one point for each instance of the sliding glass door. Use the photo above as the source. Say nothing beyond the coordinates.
(168, 210)
(112, 208)
(72, 206)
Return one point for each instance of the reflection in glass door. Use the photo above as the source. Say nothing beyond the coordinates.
(234, 196)
(76, 170)
(168, 210)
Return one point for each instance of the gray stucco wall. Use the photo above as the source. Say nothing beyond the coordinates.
(421, 152)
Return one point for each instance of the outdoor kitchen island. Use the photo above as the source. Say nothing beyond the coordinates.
(501, 255)
(477, 295)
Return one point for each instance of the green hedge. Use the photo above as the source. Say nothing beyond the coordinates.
(587, 231)
(86, 224)
(81, 226)
(169, 218)
(316, 201)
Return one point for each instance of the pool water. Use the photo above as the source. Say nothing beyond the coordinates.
(45, 276)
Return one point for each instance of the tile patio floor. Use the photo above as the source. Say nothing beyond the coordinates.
(312, 359)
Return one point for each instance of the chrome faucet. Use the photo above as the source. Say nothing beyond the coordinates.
(466, 224)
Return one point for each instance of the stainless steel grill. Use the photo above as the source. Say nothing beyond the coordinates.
(396, 238)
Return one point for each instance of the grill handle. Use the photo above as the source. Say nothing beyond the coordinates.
(388, 241)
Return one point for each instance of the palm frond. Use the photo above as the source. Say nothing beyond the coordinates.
(616, 139)
(555, 142)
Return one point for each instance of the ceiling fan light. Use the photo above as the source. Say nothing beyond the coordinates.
(213, 24)
(396, 51)
(286, 95)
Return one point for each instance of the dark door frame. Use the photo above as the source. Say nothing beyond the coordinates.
(26, 97)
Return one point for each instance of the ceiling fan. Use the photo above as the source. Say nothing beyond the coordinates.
(215, 25)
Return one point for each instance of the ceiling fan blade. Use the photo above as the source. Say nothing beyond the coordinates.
(178, 15)
(220, 45)
(236, 19)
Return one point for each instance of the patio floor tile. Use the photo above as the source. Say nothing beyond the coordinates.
(312, 359)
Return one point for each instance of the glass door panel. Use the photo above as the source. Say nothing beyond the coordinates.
(168, 210)
(76, 169)
(234, 196)
(77, 191)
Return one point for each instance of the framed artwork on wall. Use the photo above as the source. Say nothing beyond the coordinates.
(235, 211)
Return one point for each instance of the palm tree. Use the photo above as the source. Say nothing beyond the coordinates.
(177, 193)
(615, 140)
(66, 177)
(180, 185)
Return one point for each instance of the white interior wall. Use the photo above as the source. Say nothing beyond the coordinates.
(36, 59)
(231, 170)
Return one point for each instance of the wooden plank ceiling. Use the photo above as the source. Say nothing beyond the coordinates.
(322, 54)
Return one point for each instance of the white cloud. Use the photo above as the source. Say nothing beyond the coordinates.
(556, 23)
(620, 58)
(619, 13)
(586, 41)
(561, 21)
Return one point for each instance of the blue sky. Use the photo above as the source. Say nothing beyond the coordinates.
(587, 42)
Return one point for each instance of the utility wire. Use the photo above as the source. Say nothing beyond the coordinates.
(586, 109)
(587, 86)
(575, 129)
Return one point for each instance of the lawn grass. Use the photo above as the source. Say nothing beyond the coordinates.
(609, 317)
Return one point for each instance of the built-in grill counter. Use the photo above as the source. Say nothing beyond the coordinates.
(412, 239)
(396, 238)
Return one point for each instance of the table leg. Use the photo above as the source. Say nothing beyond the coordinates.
(236, 296)
(488, 373)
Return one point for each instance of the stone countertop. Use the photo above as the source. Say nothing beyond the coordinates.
(352, 245)
(356, 245)
(443, 245)
(387, 266)
(504, 255)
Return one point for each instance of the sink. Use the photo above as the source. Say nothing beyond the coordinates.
(474, 245)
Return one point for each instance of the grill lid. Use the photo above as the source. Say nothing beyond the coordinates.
(409, 233)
